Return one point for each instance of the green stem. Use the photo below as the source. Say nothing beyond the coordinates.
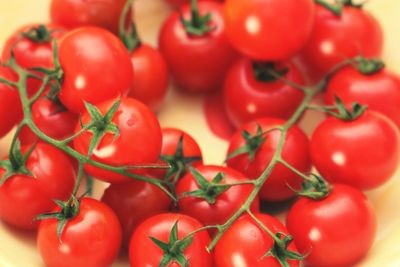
(45, 82)
(293, 169)
(260, 224)
(78, 178)
(336, 8)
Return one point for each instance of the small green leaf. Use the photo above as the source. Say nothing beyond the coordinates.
(94, 112)
(185, 243)
(173, 237)
(218, 178)
(160, 244)
(201, 181)
(112, 111)
(166, 259)
(181, 259)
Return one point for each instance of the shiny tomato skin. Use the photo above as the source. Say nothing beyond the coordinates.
(246, 244)
(226, 204)
(133, 202)
(23, 198)
(269, 29)
(144, 252)
(336, 231)
(380, 91)
(334, 39)
(247, 99)
(51, 119)
(96, 65)
(197, 63)
(91, 239)
(138, 143)
(295, 151)
(10, 103)
(363, 153)
(78, 13)
(150, 82)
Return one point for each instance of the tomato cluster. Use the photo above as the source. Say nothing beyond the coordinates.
(83, 92)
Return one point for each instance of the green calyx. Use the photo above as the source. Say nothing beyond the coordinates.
(39, 34)
(314, 188)
(281, 252)
(197, 25)
(338, 6)
(174, 249)
(346, 114)
(369, 66)
(208, 191)
(267, 71)
(352, 4)
(128, 35)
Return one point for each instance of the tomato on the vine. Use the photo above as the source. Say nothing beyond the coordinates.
(138, 141)
(168, 229)
(90, 239)
(245, 243)
(24, 197)
(257, 150)
(363, 152)
(96, 66)
(250, 92)
(336, 231)
(269, 29)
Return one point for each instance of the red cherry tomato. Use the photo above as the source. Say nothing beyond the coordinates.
(52, 119)
(269, 29)
(224, 205)
(144, 252)
(197, 63)
(335, 231)
(96, 66)
(247, 98)
(363, 153)
(127, 200)
(10, 103)
(77, 13)
(380, 91)
(247, 244)
(91, 239)
(150, 82)
(295, 151)
(32, 47)
(23, 198)
(138, 143)
(336, 38)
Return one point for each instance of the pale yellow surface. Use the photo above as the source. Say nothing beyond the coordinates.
(18, 249)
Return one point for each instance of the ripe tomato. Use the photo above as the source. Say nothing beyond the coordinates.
(138, 142)
(363, 153)
(150, 82)
(295, 151)
(380, 91)
(269, 29)
(10, 103)
(248, 97)
(77, 13)
(32, 46)
(23, 198)
(126, 199)
(144, 252)
(211, 54)
(91, 239)
(96, 66)
(221, 205)
(245, 243)
(335, 231)
(336, 38)
(52, 119)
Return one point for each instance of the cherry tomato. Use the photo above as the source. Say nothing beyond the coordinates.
(210, 55)
(246, 244)
(96, 66)
(335, 231)
(32, 46)
(336, 38)
(23, 198)
(248, 97)
(126, 199)
(138, 142)
(10, 103)
(77, 13)
(269, 29)
(150, 82)
(295, 152)
(91, 239)
(220, 206)
(363, 153)
(380, 91)
(52, 119)
(144, 252)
